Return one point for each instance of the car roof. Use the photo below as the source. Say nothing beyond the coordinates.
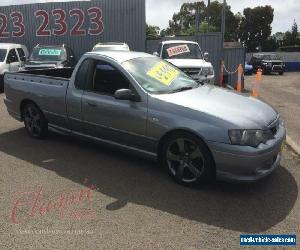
(51, 46)
(178, 41)
(264, 54)
(111, 44)
(9, 45)
(120, 56)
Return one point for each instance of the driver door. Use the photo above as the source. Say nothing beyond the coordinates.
(104, 116)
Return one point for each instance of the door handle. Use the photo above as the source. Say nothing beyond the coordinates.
(92, 104)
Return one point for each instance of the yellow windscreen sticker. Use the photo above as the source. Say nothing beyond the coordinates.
(163, 73)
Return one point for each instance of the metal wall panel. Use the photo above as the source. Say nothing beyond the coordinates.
(124, 21)
(232, 58)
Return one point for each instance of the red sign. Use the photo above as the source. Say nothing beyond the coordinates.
(56, 18)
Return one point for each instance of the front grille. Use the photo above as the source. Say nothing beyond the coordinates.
(191, 71)
(277, 63)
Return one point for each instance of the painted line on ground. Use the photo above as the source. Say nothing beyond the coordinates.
(293, 145)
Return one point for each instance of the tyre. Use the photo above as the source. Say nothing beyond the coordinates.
(281, 73)
(35, 121)
(187, 159)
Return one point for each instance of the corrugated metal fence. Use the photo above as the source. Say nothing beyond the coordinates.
(212, 43)
(232, 58)
(123, 21)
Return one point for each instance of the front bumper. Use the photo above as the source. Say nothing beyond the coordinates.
(247, 164)
(275, 68)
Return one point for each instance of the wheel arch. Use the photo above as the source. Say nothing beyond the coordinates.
(23, 104)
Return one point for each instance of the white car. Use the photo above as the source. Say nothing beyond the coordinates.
(187, 56)
(12, 59)
(111, 46)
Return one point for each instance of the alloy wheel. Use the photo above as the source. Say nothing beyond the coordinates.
(185, 160)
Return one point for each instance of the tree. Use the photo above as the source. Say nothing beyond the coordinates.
(214, 16)
(255, 27)
(152, 32)
(209, 18)
(185, 18)
(291, 38)
(270, 44)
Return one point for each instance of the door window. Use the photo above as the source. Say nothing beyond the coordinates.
(12, 56)
(21, 54)
(84, 74)
(107, 79)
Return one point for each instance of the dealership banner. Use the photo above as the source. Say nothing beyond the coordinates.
(79, 25)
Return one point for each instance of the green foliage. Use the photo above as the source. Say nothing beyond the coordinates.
(214, 15)
(204, 27)
(270, 45)
(292, 38)
(209, 18)
(152, 32)
(255, 27)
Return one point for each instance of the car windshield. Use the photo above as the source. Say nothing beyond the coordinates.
(270, 57)
(48, 54)
(2, 54)
(158, 76)
(181, 51)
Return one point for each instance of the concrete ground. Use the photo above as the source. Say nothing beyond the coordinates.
(283, 92)
(63, 193)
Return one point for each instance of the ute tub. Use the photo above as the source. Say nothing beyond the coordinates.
(48, 92)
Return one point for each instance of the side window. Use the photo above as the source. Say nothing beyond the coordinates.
(21, 54)
(159, 49)
(12, 56)
(70, 54)
(107, 79)
(84, 74)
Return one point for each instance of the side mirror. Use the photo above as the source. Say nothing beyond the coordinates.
(126, 94)
(206, 56)
(23, 58)
(155, 54)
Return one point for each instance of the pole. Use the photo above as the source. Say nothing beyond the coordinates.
(223, 21)
(208, 14)
(222, 37)
(198, 19)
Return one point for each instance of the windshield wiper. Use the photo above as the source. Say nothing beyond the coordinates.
(181, 89)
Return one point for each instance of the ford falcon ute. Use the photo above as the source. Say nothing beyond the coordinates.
(140, 103)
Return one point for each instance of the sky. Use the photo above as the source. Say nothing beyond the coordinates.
(285, 11)
(159, 12)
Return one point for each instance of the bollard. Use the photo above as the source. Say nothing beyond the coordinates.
(222, 74)
(239, 79)
(256, 85)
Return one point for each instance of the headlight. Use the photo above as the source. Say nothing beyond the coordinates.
(60, 66)
(250, 137)
(207, 71)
